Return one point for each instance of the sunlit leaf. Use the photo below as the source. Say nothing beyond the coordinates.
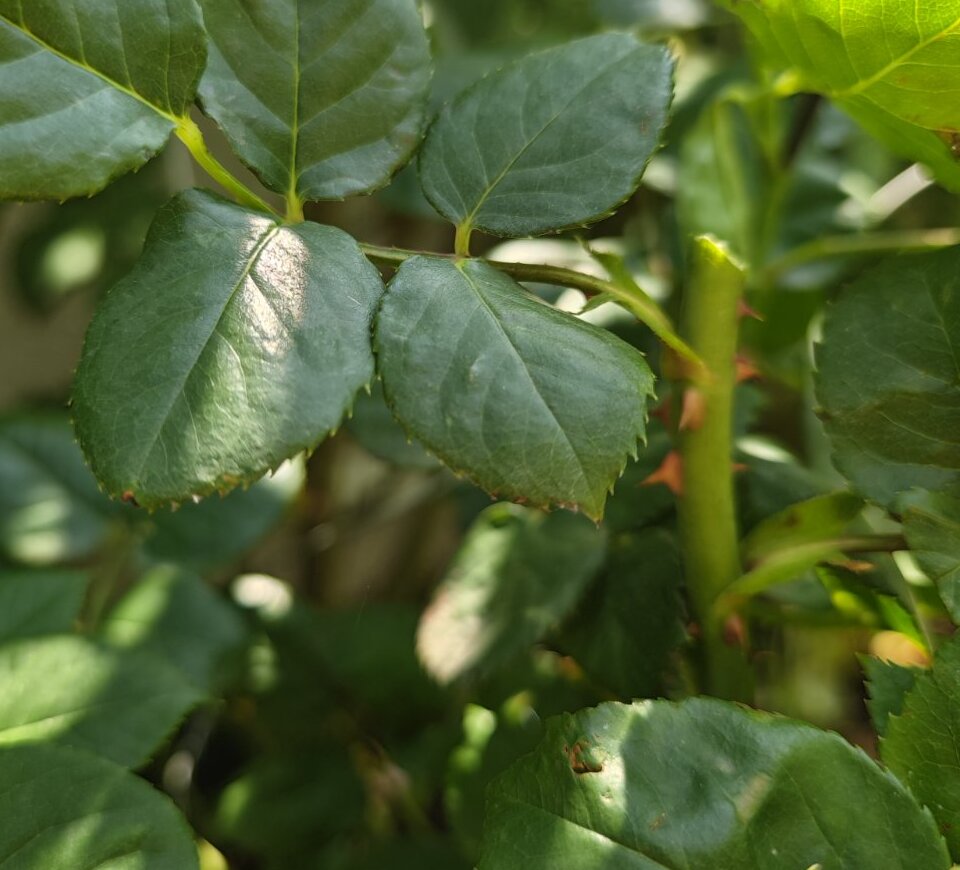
(517, 575)
(69, 690)
(703, 785)
(100, 83)
(178, 618)
(62, 808)
(529, 402)
(554, 140)
(322, 99)
(236, 343)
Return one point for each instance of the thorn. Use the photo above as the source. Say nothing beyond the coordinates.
(670, 474)
(694, 410)
(734, 631)
(740, 467)
(744, 310)
(129, 498)
(746, 369)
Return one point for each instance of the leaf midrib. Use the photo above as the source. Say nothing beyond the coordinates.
(523, 365)
(468, 221)
(129, 91)
(268, 236)
(883, 72)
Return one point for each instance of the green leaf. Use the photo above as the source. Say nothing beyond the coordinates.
(888, 377)
(629, 622)
(101, 83)
(531, 403)
(921, 745)
(235, 344)
(179, 618)
(322, 99)
(72, 691)
(931, 524)
(702, 785)
(518, 573)
(34, 603)
(50, 508)
(900, 58)
(908, 141)
(220, 530)
(555, 140)
(808, 522)
(887, 685)
(62, 809)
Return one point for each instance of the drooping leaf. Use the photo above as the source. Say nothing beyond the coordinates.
(900, 58)
(35, 603)
(62, 808)
(555, 140)
(888, 382)
(931, 524)
(531, 403)
(100, 83)
(235, 344)
(921, 744)
(219, 530)
(72, 691)
(517, 575)
(322, 99)
(50, 508)
(888, 685)
(810, 521)
(630, 620)
(703, 785)
(180, 619)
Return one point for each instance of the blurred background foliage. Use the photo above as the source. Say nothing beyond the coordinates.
(382, 640)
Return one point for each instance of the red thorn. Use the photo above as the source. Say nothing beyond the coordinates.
(740, 467)
(734, 631)
(670, 474)
(746, 369)
(694, 410)
(664, 411)
(744, 310)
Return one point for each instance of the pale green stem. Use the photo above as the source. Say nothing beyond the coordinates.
(191, 135)
(707, 510)
(866, 243)
(462, 243)
(637, 303)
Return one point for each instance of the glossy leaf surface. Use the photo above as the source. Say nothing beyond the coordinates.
(517, 575)
(703, 785)
(888, 377)
(921, 744)
(530, 403)
(100, 83)
(235, 344)
(555, 140)
(68, 690)
(322, 99)
(85, 812)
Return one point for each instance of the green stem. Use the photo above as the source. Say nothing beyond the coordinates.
(462, 242)
(707, 511)
(636, 302)
(191, 135)
(865, 243)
